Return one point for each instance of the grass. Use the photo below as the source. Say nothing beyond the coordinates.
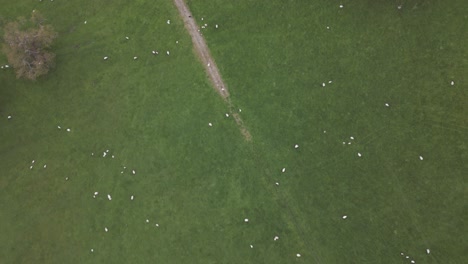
(375, 54)
(199, 182)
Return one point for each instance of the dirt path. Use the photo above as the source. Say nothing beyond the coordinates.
(208, 62)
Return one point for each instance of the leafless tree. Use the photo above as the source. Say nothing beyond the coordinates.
(27, 44)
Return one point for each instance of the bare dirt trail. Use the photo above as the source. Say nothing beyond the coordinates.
(208, 62)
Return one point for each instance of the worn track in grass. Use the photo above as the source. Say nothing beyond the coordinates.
(208, 62)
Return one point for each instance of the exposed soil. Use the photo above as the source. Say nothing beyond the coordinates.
(203, 52)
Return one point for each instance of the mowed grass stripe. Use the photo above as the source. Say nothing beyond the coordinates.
(153, 119)
(191, 179)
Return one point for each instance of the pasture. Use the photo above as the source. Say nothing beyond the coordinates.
(365, 91)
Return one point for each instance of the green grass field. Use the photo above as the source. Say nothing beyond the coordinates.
(198, 183)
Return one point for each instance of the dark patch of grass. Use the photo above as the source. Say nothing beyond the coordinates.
(275, 58)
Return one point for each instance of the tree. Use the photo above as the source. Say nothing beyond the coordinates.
(27, 44)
